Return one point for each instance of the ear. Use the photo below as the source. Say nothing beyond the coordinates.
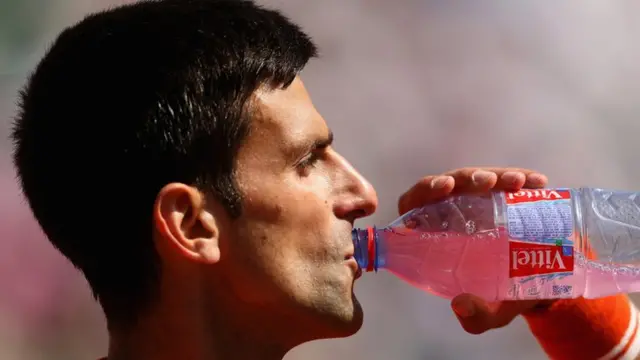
(185, 225)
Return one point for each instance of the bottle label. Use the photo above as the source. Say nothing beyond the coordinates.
(540, 228)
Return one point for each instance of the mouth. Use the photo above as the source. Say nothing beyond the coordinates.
(353, 264)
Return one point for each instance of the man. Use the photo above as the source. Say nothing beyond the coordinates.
(170, 151)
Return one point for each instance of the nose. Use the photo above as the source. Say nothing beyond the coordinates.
(357, 198)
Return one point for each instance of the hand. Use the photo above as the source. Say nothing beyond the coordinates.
(476, 315)
(468, 180)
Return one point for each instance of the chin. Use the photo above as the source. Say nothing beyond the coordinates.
(345, 323)
(357, 316)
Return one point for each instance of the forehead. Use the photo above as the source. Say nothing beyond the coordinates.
(286, 116)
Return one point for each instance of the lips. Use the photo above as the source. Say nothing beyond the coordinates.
(357, 271)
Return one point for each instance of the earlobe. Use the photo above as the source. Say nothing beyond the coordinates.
(183, 224)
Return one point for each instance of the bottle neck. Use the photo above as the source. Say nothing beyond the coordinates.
(368, 248)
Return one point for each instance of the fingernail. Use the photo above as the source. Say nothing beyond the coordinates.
(464, 309)
(512, 177)
(537, 178)
(481, 176)
(439, 182)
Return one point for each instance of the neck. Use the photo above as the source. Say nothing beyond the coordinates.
(178, 327)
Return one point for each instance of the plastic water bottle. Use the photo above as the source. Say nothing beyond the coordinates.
(529, 244)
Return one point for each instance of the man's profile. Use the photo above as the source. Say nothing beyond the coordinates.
(170, 151)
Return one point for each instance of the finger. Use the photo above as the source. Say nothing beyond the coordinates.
(516, 180)
(468, 180)
(536, 180)
(428, 189)
(519, 178)
(511, 180)
(477, 316)
(474, 179)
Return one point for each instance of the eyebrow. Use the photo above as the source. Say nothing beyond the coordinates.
(317, 144)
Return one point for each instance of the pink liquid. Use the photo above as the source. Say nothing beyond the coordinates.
(448, 264)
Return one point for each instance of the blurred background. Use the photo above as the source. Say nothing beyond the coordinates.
(411, 87)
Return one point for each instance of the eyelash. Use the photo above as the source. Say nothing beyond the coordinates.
(309, 161)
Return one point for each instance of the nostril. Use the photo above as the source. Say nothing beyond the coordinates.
(352, 210)
(358, 213)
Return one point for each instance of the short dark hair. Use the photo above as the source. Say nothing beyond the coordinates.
(129, 100)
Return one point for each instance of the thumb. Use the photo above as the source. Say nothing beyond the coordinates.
(477, 316)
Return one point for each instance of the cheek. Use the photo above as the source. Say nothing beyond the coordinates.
(274, 264)
(286, 224)
(292, 228)
(290, 207)
(287, 232)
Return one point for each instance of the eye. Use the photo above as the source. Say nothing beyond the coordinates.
(308, 162)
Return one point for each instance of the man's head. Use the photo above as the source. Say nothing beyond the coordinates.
(171, 144)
